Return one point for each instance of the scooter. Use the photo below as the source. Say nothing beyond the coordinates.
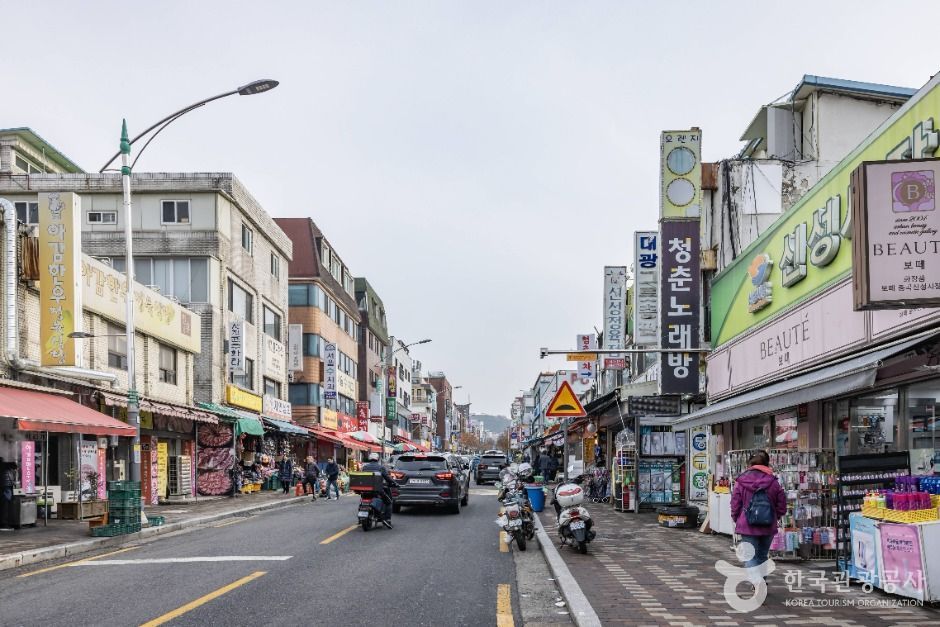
(575, 526)
(371, 512)
(517, 519)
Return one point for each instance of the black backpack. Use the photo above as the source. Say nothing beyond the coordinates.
(760, 511)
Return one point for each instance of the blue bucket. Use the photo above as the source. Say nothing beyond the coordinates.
(536, 497)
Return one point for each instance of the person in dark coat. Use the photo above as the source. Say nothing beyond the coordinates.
(285, 472)
(757, 476)
(332, 474)
(312, 477)
(552, 466)
(545, 465)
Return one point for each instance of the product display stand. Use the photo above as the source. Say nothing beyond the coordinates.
(858, 474)
(623, 474)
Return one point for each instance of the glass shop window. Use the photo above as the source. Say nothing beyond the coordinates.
(923, 405)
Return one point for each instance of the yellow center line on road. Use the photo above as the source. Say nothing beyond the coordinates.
(76, 563)
(503, 606)
(340, 534)
(160, 620)
(230, 522)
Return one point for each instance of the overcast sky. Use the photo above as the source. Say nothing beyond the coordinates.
(478, 162)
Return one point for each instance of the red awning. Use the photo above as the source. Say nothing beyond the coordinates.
(326, 435)
(38, 411)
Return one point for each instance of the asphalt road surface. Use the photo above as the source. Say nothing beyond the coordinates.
(303, 565)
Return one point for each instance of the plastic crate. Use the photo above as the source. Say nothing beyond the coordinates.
(156, 521)
(899, 516)
(114, 529)
(117, 486)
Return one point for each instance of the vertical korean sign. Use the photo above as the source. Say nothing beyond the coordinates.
(646, 288)
(680, 290)
(28, 466)
(585, 342)
(236, 347)
(295, 348)
(60, 293)
(615, 313)
(362, 415)
(698, 474)
(329, 371)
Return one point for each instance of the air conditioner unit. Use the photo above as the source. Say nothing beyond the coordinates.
(179, 477)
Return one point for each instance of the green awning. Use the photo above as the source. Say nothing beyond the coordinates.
(285, 427)
(244, 422)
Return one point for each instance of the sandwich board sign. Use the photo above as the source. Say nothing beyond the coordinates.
(565, 404)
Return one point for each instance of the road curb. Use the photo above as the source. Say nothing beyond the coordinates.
(57, 551)
(579, 608)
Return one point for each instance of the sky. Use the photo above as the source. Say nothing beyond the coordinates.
(479, 162)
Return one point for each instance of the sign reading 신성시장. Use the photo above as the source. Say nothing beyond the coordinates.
(808, 244)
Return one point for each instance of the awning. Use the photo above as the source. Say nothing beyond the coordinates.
(285, 427)
(327, 436)
(244, 422)
(158, 407)
(38, 411)
(847, 376)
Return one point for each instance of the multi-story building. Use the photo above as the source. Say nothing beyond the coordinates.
(444, 393)
(423, 408)
(403, 364)
(322, 300)
(373, 344)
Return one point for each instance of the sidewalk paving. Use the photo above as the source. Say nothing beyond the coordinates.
(638, 573)
(67, 537)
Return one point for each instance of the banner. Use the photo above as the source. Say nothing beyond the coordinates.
(329, 371)
(901, 560)
(295, 347)
(60, 294)
(392, 391)
(362, 415)
(615, 312)
(236, 347)
(28, 466)
(680, 292)
(646, 288)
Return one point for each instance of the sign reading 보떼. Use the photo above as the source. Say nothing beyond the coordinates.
(236, 347)
(895, 243)
(329, 371)
(680, 174)
(646, 288)
(295, 348)
(276, 408)
(60, 295)
(615, 311)
(679, 309)
(565, 404)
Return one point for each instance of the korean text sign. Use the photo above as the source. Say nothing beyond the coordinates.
(646, 288)
(329, 371)
(60, 293)
(615, 309)
(680, 296)
(680, 174)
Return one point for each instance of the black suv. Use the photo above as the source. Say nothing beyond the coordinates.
(489, 467)
(430, 479)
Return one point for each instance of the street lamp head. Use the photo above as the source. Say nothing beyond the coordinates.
(425, 341)
(80, 335)
(257, 87)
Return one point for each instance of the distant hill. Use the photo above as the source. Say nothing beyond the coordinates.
(493, 423)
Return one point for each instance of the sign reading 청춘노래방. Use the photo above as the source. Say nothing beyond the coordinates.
(896, 234)
(646, 288)
(60, 295)
(329, 371)
(615, 310)
(808, 243)
(680, 174)
(680, 294)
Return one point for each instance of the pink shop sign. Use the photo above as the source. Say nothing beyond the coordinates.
(815, 331)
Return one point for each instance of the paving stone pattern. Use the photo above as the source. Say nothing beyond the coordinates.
(638, 573)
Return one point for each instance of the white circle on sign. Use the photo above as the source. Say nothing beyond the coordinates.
(680, 160)
(680, 192)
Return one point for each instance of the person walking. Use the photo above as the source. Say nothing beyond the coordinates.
(552, 466)
(757, 503)
(332, 474)
(544, 463)
(285, 472)
(312, 477)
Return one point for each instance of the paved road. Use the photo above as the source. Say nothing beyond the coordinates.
(291, 566)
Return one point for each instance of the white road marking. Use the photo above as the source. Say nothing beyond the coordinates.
(183, 560)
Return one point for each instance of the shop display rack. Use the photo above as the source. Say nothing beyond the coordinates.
(859, 474)
(623, 473)
(807, 530)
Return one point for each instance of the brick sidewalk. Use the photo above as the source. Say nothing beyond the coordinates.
(638, 573)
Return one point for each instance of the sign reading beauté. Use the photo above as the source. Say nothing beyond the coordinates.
(808, 243)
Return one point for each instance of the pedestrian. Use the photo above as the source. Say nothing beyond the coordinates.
(552, 467)
(544, 463)
(312, 477)
(285, 472)
(757, 503)
(332, 474)
(7, 483)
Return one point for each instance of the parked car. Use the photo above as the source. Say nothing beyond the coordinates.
(430, 479)
(489, 467)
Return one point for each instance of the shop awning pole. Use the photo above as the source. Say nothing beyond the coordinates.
(45, 481)
(78, 474)
(195, 466)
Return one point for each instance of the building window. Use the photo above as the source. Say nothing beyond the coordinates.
(325, 256)
(304, 393)
(117, 347)
(240, 302)
(175, 212)
(27, 212)
(167, 364)
(183, 278)
(247, 238)
(311, 345)
(102, 217)
(275, 266)
(26, 166)
(246, 380)
(304, 295)
(272, 322)
(272, 388)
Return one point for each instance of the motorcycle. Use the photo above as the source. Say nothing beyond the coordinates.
(575, 526)
(370, 488)
(517, 520)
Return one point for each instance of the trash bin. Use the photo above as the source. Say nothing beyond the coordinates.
(536, 497)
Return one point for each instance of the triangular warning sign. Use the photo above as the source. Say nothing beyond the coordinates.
(565, 404)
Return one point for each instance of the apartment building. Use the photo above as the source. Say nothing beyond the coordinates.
(444, 439)
(323, 302)
(423, 408)
(373, 344)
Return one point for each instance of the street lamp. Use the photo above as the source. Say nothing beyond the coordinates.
(133, 408)
(385, 365)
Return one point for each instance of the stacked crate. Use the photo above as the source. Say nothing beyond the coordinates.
(123, 509)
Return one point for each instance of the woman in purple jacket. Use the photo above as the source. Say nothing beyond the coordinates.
(758, 476)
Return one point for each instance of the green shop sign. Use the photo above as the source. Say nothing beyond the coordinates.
(391, 410)
(809, 247)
